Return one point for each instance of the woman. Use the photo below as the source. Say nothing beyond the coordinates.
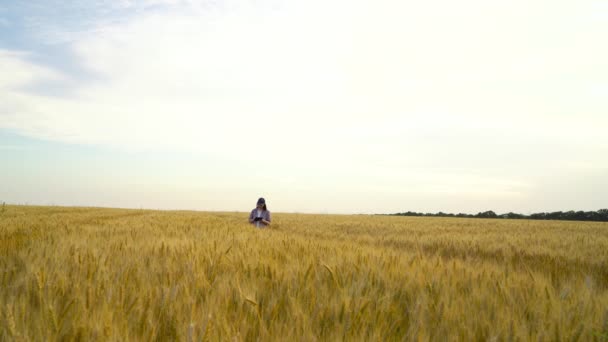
(260, 216)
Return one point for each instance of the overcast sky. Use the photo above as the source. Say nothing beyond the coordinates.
(319, 106)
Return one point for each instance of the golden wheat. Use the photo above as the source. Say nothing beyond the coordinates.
(131, 275)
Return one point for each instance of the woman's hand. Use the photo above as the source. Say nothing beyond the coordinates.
(265, 222)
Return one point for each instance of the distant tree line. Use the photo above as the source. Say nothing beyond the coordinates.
(598, 216)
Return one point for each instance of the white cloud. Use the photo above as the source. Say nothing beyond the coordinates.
(16, 72)
(348, 85)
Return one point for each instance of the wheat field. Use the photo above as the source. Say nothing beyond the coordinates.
(95, 274)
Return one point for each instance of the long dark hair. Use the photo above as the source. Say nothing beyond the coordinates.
(261, 199)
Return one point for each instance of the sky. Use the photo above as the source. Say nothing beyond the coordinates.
(318, 106)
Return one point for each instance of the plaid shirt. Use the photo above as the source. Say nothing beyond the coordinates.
(265, 216)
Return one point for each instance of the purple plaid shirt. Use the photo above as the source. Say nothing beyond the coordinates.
(265, 216)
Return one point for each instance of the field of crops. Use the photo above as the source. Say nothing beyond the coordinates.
(136, 275)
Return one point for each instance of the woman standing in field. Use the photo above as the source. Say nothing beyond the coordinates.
(260, 216)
